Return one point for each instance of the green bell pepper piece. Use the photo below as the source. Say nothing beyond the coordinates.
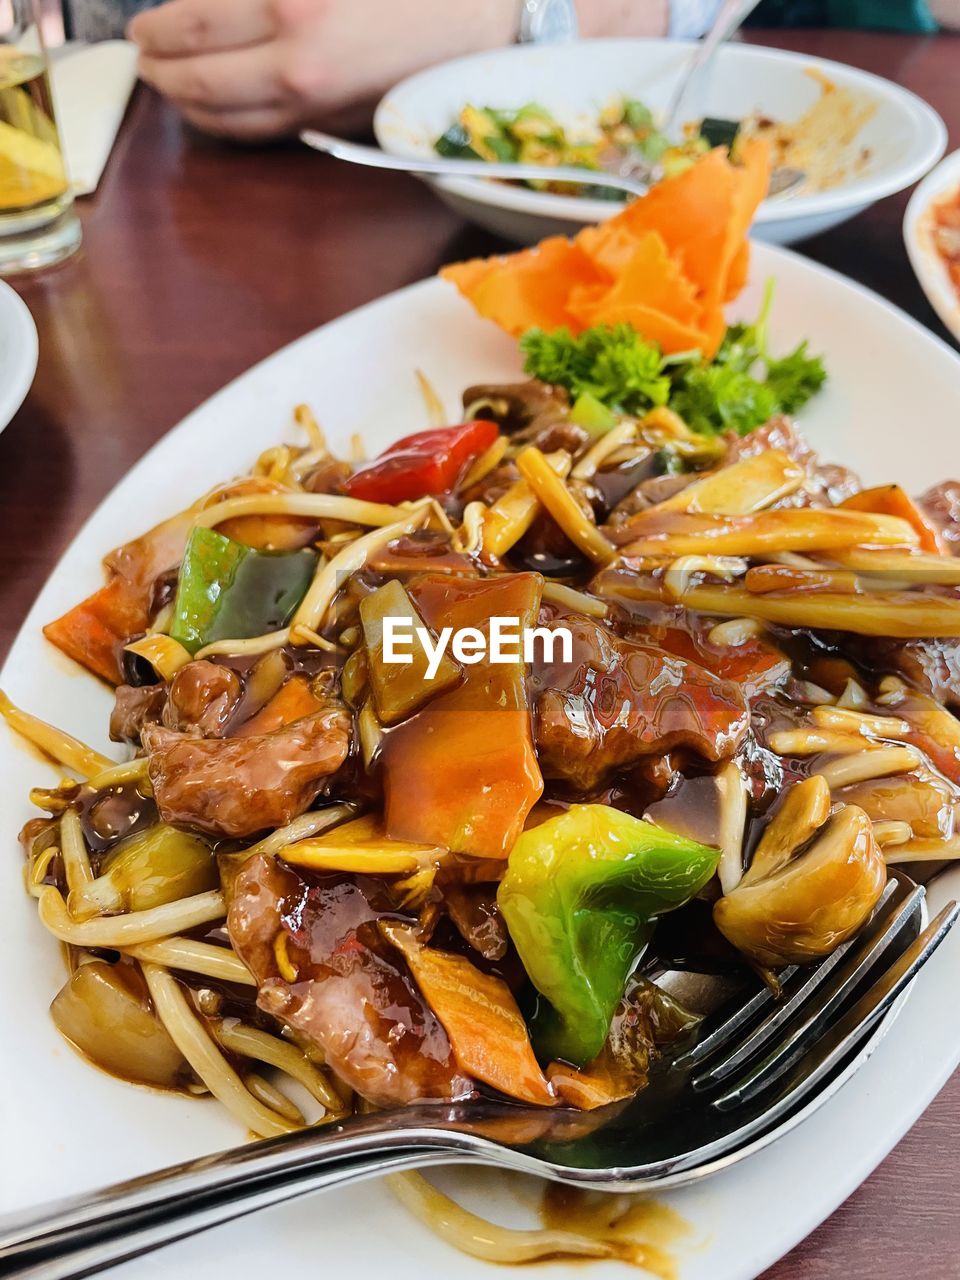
(455, 144)
(579, 898)
(637, 114)
(592, 414)
(717, 132)
(227, 590)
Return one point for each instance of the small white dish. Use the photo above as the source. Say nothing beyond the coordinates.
(930, 268)
(19, 348)
(905, 137)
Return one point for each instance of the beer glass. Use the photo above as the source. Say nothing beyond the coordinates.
(38, 225)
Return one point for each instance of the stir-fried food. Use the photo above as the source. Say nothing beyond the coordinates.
(359, 847)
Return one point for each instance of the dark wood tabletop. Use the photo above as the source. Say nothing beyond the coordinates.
(201, 258)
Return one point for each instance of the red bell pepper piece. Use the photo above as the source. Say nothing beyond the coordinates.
(427, 463)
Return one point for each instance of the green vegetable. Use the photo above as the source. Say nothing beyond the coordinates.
(503, 148)
(227, 590)
(667, 462)
(592, 192)
(637, 114)
(591, 414)
(611, 362)
(455, 144)
(719, 133)
(503, 116)
(481, 129)
(653, 147)
(674, 164)
(729, 393)
(536, 122)
(796, 378)
(740, 389)
(719, 397)
(579, 898)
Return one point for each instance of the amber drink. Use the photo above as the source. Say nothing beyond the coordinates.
(37, 223)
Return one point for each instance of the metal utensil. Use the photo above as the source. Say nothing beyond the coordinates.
(683, 101)
(356, 153)
(739, 1086)
(782, 181)
(731, 16)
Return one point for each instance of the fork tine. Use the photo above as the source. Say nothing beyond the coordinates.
(742, 1017)
(837, 1041)
(746, 1015)
(795, 1021)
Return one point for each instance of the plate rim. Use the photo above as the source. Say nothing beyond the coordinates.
(927, 265)
(577, 209)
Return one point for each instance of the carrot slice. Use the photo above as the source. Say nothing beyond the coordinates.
(648, 278)
(753, 179)
(891, 500)
(292, 701)
(738, 272)
(666, 264)
(94, 632)
(692, 213)
(526, 289)
(658, 326)
(480, 1016)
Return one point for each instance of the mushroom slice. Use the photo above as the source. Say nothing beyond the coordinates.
(803, 812)
(803, 910)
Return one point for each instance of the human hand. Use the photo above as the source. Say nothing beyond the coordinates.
(257, 68)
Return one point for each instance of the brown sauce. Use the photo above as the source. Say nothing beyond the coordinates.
(633, 1229)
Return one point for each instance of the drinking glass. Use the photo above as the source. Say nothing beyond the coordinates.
(38, 225)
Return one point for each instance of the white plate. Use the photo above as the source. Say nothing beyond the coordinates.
(905, 137)
(18, 352)
(67, 1127)
(926, 261)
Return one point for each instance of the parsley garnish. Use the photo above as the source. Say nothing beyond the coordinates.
(740, 389)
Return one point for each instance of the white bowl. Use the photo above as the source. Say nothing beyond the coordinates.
(18, 352)
(905, 137)
(930, 268)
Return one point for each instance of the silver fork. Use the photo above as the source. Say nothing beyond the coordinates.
(740, 1086)
(783, 181)
(438, 166)
(730, 17)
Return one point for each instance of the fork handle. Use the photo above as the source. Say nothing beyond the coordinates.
(46, 1251)
(84, 1234)
(106, 1242)
(375, 158)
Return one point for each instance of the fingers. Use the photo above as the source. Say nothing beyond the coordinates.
(250, 125)
(184, 27)
(235, 80)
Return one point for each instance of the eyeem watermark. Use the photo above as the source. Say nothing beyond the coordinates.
(507, 641)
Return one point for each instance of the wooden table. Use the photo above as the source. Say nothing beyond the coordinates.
(199, 259)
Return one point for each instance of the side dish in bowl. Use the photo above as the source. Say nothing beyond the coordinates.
(820, 145)
(860, 140)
